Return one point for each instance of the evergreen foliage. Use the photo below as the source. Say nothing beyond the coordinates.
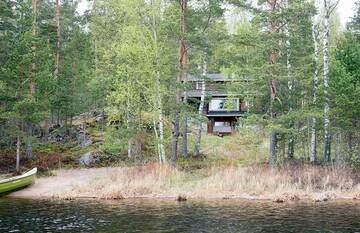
(120, 61)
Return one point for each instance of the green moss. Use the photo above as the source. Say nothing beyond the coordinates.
(52, 147)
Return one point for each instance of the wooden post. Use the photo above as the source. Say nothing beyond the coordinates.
(210, 126)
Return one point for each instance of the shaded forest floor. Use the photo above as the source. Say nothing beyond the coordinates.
(245, 148)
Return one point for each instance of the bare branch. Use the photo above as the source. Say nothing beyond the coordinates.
(333, 7)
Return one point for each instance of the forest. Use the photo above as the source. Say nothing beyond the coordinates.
(112, 83)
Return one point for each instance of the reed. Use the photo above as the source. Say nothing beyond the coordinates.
(290, 182)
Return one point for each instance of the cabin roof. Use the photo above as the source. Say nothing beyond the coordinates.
(218, 77)
(211, 93)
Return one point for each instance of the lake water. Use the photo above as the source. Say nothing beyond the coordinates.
(170, 216)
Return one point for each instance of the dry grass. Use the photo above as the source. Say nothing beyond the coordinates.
(155, 181)
(262, 182)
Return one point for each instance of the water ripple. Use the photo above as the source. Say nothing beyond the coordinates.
(170, 216)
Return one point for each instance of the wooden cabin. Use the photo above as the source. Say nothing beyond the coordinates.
(222, 108)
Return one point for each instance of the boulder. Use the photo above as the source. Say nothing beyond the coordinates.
(84, 140)
(87, 159)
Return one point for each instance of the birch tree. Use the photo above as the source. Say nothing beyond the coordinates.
(329, 6)
(162, 157)
(315, 33)
(201, 106)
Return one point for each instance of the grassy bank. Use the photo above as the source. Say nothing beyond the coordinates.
(230, 167)
(155, 181)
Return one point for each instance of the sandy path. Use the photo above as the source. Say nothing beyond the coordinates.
(64, 181)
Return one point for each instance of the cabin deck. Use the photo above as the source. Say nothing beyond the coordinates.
(222, 108)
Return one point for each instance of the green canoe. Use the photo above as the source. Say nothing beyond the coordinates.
(17, 182)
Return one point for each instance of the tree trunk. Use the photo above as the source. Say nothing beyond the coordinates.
(291, 140)
(157, 140)
(128, 125)
(338, 147)
(46, 129)
(105, 93)
(313, 143)
(96, 58)
(102, 115)
(74, 66)
(184, 130)
(283, 150)
(160, 146)
(29, 127)
(28, 149)
(18, 143)
(66, 126)
(273, 97)
(327, 134)
(201, 108)
(162, 157)
(161, 120)
(350, 142)
(180, 76)
(129, 150)
(33, 48)
(161, 134)
(175, 136)
(138, 145)
(273, 144)
(57, 55)
(57, 52)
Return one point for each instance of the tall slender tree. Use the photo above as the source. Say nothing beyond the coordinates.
(29, 153)
(58, 37)
(201, 105)
(315, 32)
(272, 85)
(159, 102)
(291, 141)
(181, 66)
(329, 6)
(34, 33)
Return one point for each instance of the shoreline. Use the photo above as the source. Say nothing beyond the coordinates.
(164, 183)
(188, 199)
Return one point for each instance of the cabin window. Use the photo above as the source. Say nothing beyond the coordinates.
(198, 85)
(222, 124)
(222, 104)
(223, 127)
